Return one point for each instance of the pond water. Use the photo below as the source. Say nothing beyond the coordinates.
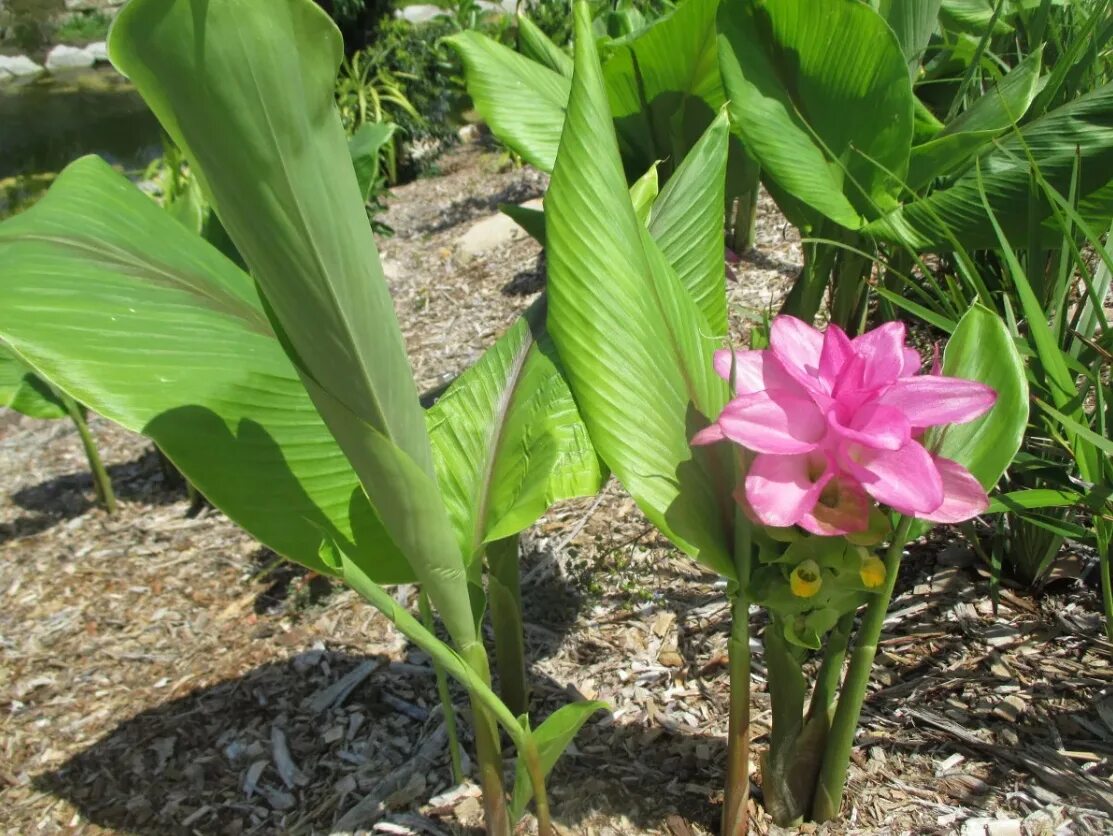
(47, 122)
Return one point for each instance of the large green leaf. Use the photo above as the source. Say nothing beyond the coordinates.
(996, 110)
(663, 87)
(1078, 134)
(820, 93)
(523, 101)
(125, 310)
(686, 221)
(535, 44)
(507, 439)
(913, 22)
(981, 348)
(628, 334)
(245, 89)
(24, 391)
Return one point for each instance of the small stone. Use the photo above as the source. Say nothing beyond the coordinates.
(99, 51)
(489, 234)
(19, 65)
(64, 57)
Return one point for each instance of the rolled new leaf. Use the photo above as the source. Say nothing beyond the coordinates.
(245, 88)
(628, 333)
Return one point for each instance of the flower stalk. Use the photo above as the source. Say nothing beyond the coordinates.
(840, 739)
(736, 817)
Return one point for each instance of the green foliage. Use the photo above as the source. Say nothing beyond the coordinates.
(83, 28)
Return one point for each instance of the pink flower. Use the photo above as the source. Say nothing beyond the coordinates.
(835, 422)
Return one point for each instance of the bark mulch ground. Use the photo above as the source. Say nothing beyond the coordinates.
(162, 673)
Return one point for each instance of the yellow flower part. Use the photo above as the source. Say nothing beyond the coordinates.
(872, 571)
(805, 580)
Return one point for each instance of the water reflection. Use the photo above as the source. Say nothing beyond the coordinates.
(47, 122)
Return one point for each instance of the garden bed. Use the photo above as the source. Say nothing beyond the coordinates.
(162, 674)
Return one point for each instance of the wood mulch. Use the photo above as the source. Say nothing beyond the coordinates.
(162, 673)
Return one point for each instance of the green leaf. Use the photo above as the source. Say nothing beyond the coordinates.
(1033, 498)
(913, 22)
(628, 335)
(24, 391)
(830, 125)
(126, 311)
(523, 101)
(507, 439)
(245, 89)
(535, 44)
(365, 146)
(981, 348)
(531, 220)
(687, 223)
(1079, 133)
(663, 87)
(551, 739)
(994, 111)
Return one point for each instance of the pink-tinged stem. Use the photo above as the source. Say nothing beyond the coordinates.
(840, 740)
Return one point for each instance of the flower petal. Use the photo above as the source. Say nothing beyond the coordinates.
(929, 400)
(798, 346)
(882, 350)
(963, 495)
(754, 371)
(774, 421)
(781, 489)
(912, 362)
(905, 479)
(708, 435)
(842, 508)
(836, 352)
(873, 425)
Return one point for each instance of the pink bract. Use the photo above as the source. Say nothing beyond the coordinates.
(836, 422)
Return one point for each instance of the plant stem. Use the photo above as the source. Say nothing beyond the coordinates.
(505, 600)
(537, 780)
(736, 817)
(840, 740)
(1105, 557)
(447, 708)
(101, 483)
(488, 750)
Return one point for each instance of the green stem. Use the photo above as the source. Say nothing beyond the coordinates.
(505, 600)
(1105, 557)
(101, 483)
(447, 707)
(742, 237)
(537, 780)
(736, 818)
(830, 669)
(488, 750)
(470, 668)
(840, 740)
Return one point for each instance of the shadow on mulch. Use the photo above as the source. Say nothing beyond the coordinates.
(145, 479)
(527, 282)
(477, 206)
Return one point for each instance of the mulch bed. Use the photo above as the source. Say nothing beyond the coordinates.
(162, 673)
